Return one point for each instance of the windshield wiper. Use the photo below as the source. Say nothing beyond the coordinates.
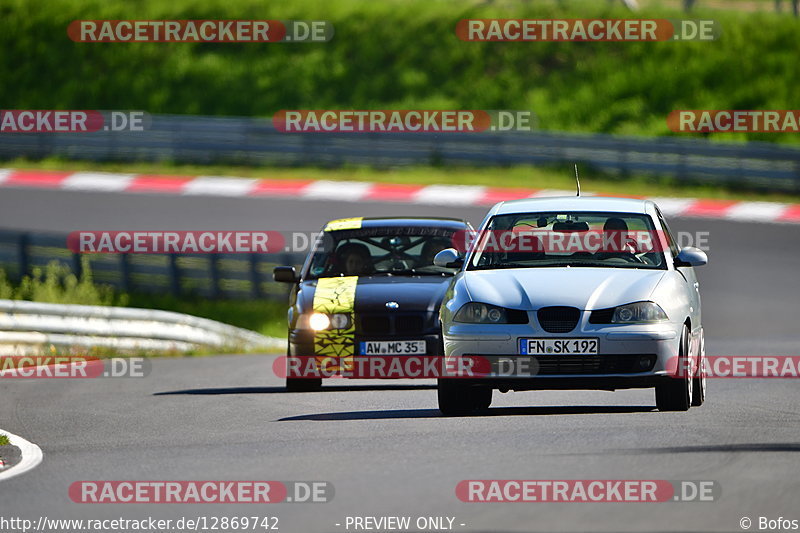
(410, 272)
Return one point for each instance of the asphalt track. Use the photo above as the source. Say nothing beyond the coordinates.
(384, 446)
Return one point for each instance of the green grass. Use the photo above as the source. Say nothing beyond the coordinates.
(267, 317)
(519, 176)
(402, 54)
(4, 440)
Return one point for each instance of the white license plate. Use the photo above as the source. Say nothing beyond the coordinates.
(551, 346)
(393, 348)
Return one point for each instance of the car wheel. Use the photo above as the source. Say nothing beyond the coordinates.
(675, 394)
(699, 385)
(303, 384)
(459, 399)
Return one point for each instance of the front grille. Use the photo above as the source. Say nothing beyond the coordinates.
(409, 324)
(593, 364)
(373, 325)
(390, 324)
(558, 319)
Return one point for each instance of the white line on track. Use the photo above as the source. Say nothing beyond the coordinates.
(97, 181)
(756, 211)
(345, 191)
(219, 186)
(449, 194)
(31, 456)
(673, 207)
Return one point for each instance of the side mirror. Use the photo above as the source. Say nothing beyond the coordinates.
(448, 258)
(691, 256)
(285, 274)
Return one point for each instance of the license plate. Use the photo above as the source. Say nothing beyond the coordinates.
(393, 348)
(551, 346)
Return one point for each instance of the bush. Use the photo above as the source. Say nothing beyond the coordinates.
(399, 54)
(57, 284)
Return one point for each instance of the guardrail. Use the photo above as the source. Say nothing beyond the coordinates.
(235, 276)
(28, 328)
(250, 141)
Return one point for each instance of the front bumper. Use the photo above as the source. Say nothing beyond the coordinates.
(629, 356)
(302, 342)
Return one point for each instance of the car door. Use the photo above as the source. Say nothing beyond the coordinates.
(691, 285)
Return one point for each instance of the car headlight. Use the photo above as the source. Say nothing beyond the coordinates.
(638, 313)
(322, 321)
(479, 313)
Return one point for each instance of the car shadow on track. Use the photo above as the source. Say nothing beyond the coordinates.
(282, 390)
(779, 447)
(497, 411)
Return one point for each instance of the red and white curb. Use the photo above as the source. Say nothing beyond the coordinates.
(358, 191)
(31, 456)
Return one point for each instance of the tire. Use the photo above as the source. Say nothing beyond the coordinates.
(458, 399)
(699, 385)
(303, 384)
(675, 393)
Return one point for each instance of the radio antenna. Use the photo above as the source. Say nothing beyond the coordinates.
(577, 180)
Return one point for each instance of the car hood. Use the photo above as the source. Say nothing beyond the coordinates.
(412, 293)
(581, 287)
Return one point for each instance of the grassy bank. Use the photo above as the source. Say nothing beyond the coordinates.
(401, 54)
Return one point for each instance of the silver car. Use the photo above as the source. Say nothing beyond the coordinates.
(573, 293)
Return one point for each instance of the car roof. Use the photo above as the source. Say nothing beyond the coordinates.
(391, 222)
(573, 203)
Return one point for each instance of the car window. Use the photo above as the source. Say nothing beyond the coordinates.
(382, 250)
(673, 246)
(575, 239)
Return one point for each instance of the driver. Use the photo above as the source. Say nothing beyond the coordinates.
(615, 232)
(354, 259)
(430, 249)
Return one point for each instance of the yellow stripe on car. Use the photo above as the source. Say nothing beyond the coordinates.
(335, 348)
(344, 223)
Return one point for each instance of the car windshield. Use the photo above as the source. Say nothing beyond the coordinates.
(380, 251)
(568, 239)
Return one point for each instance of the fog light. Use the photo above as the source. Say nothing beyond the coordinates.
(319, 321)
(645, 362)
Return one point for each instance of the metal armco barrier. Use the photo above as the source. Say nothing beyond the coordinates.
(33, 328)
(234, 276)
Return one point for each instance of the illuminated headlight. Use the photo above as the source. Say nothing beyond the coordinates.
(638, 313)
(322, 321)
(479, 313)
(318, 321)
